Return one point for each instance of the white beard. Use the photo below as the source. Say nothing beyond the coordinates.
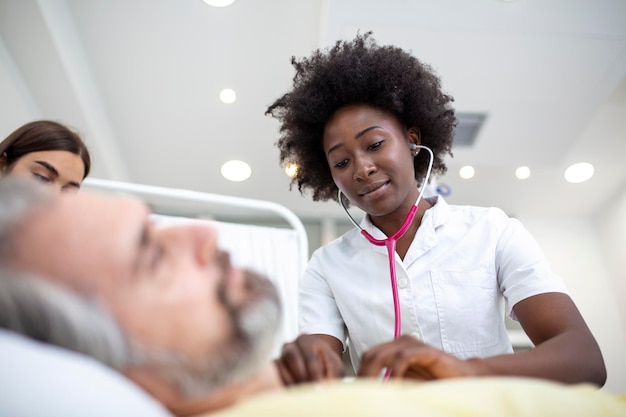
(254, 326)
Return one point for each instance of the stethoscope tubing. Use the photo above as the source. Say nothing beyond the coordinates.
(390, 244)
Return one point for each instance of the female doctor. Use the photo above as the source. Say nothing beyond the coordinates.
(419, 288)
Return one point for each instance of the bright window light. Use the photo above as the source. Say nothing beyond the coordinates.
(580, 172)
(522, 172)
(291, 170)
(466, 172)
(219, 3)
(236, 170)
(228, 96)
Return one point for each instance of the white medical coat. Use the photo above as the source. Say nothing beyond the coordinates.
(466, 267)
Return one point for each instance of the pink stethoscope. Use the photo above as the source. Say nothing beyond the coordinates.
(390, 243)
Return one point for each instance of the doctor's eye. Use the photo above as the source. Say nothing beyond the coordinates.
(341, 163)
(375, 145)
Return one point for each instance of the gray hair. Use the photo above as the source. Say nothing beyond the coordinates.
(40, 309)
(18, 196)
(50, 313)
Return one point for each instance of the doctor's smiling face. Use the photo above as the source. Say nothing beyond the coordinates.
(170, 287)
(368, 153)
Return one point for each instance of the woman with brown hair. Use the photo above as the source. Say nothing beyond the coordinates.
(48, 151)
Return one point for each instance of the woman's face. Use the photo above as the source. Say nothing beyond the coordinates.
(62, 170)
(368, 153)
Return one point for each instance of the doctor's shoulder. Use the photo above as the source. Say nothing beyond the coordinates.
(347, 244)
(468, 216)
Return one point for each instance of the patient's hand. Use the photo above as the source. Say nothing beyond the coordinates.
(410, 358)
(310, 358)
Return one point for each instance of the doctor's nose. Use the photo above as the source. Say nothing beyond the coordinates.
(363, 168)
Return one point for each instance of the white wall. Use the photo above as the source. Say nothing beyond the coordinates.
(575, 250)
(611, 225)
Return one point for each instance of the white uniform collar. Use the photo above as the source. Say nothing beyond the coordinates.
(436, 215)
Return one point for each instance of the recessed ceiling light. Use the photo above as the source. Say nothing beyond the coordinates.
(219, 3)
(228, 96)
(291, 169)
(522, 172)
(236, 170)
(580, 172)
(466, 172)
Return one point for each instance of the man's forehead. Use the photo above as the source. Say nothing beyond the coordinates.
(85, 210)
(75, 201)
(78, 236)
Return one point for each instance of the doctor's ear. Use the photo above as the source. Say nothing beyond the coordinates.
(414, 136)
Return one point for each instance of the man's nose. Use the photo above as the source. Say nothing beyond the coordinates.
(205, 239)
(200, 239)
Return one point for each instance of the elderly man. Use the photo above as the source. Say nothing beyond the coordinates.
(161, 304)
(164, 306)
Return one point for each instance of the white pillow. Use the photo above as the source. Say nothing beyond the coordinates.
(37, 379)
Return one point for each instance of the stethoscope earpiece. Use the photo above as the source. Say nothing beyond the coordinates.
(412, 146)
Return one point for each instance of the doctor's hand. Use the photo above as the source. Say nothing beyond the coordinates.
(312, 357)
(408, 357)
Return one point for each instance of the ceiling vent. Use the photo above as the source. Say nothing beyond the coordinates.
(467, 129)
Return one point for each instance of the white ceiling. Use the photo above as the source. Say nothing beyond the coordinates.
(140, 80)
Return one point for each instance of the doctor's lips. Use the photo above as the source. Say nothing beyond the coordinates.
(372, 187)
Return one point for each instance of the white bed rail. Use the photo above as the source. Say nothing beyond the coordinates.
(183, 195)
